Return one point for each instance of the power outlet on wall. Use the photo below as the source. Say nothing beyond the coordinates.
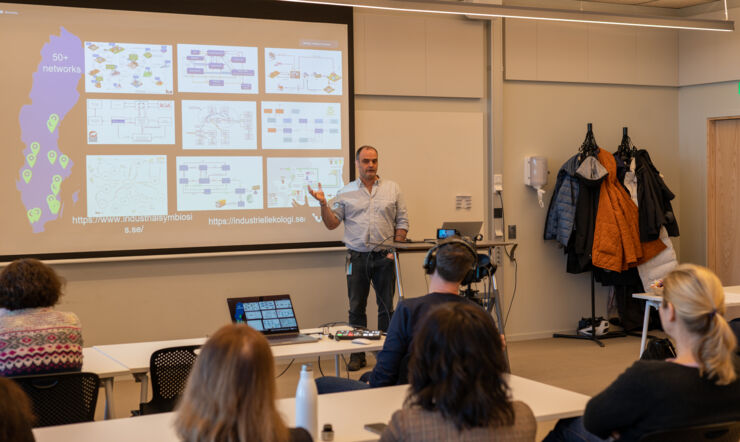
(512, 231)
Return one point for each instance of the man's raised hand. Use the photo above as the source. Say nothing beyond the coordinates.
(318, 194)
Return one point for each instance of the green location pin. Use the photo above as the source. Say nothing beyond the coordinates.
(27, 175)
(35, 148)
(56, 183)
(34, 215)
(31, 158)
(63, 160)
(52, 156)
(53, 203)
(52, 122)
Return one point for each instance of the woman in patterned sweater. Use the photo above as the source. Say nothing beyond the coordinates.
(34, 338)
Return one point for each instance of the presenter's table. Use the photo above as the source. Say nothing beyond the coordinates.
(106, 368)
(339, 409)
(135, 356)
(732, 299)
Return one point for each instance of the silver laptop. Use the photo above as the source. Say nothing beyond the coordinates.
(471, 229)
(272, 315)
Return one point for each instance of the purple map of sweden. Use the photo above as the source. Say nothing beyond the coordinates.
(53, 94)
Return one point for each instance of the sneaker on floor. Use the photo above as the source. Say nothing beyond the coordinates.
(356, 361)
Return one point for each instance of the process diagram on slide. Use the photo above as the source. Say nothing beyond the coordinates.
(164, 125)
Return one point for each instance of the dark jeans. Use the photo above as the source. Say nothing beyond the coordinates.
(333, 384)
(571, 430)
(362, 268)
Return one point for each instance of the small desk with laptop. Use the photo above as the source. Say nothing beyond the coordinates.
(340, 409)
(273, 315)
(732, 299)
(135, 356)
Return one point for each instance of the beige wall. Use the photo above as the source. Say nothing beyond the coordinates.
(550, 119)
(435, 148)
(696, 104)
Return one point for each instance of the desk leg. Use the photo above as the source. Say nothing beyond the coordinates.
(398, 274)
(144, 379)
(645, 321)
(109, 405)
(336, 365)
(499, 317)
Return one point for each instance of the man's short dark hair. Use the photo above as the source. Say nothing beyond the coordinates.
(366, 146)
(29, 283)
(453, 262)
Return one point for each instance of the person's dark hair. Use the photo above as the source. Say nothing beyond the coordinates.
(367, 146)
(29, 283)
(16, 415)
(457, 366)
(453, 262)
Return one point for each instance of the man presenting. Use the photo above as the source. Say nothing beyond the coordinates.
(374, 213)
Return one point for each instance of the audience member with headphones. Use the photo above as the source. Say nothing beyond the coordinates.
(449, 262)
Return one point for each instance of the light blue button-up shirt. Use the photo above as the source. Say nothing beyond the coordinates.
(370, 217)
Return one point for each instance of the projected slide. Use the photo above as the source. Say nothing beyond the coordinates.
(128, 68)
(287, 179)
(126, 185)
(303, 71)
(300, 125)
(219, 183)
(217, 69)
(219, 124)
(130, 122)
(134, 133)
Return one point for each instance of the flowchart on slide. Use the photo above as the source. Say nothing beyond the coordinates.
(130, 121)
(126, 185)
(299, 125)
(288, 178)
(303, 71)
(128, 68)
(219, 183)
(219, 124)
(217, 69)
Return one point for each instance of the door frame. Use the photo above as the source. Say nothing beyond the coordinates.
(712, 190)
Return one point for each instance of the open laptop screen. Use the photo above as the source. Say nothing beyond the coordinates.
(272, 315)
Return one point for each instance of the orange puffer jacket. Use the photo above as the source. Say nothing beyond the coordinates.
(617, 244)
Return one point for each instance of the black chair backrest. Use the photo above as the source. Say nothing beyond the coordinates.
(61, 398)
(723, 432)
(170, 368)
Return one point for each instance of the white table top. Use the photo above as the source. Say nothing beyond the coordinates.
(105, 367)
(339, 409)
(135, 356)
(732, 296)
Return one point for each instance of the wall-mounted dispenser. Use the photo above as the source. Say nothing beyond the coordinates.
(535, 175)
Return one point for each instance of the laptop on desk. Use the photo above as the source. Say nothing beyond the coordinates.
(471, 229)
(272, 315)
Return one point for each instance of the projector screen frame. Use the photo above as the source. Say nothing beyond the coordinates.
(253, 9)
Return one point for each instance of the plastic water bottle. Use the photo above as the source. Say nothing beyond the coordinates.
(306, 402)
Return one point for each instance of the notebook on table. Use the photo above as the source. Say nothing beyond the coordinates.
(272, 315)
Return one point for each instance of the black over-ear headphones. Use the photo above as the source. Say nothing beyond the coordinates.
(430, 260)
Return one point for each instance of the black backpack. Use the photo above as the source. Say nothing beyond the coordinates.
(658, 350)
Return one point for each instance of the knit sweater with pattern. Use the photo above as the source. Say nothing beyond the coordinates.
(38, 341)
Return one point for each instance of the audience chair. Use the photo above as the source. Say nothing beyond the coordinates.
(723, 432)
(61, 398)
(169, 369)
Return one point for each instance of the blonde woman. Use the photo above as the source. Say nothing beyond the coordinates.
(700, 386)
(230, 396)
